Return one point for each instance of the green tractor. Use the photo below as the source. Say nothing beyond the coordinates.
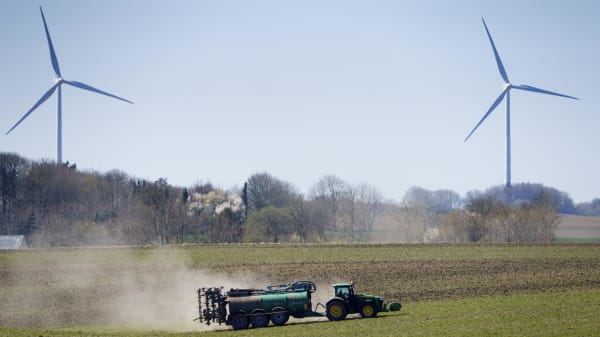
(345, 302)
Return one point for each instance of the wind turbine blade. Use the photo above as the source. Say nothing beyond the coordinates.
(39, 102)
(90, 88)
(494, 106)
(498, 60)
(541, 91)
(51, 47)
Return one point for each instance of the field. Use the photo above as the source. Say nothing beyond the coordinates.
(577, 228)
(446, 290)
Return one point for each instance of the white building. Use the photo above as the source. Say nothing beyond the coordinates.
(12, 242)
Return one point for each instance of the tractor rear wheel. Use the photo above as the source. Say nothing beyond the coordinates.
(239, 321)
(336, 310)
(368, 310)
(279, 316)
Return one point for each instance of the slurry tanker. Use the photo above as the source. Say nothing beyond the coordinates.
(242, 308)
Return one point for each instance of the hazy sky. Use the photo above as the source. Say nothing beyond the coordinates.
(377, 91)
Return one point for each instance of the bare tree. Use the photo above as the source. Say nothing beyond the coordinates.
(308, 219)
(488, 219)
(370, 206)
(329, 191)
(349, 210)
(263, 189)
(227, 226)
(300, 217)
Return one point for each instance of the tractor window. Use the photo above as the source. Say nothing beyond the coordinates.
(342, 292)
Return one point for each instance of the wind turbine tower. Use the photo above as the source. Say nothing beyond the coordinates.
(58, 82)
(506, 94)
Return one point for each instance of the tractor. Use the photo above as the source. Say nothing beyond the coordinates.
(345, 302)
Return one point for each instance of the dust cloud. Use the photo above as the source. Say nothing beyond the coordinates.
(114, 288)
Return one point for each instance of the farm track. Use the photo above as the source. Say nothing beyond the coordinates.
(66, 288)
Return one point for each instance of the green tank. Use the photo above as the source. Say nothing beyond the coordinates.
(295, 303)
(241, 308)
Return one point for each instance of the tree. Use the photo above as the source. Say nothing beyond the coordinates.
(154, 201)
(12, 170)
(488, 219)
(180, 217)
(113, 194)
(419, 210)
(329, 190)
(244, 196)
(591, 208)
(370, 206)
(307, 219)
(268, 224)
(263, 189)
(525, 192)
(228, 226)
(223, 214)
(348, 210)
(426, 207)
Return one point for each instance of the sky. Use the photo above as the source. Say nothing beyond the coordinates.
(382, 92)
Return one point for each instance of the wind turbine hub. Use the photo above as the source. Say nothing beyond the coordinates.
(58, 80)
(507, 85)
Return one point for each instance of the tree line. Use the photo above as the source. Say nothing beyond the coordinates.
(59, 205)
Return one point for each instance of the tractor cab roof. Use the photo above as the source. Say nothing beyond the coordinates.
(337, 285)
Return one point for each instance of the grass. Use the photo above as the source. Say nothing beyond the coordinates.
(561, 313)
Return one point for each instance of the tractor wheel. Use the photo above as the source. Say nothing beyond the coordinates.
(259, 319)
(336, 310)
(279, 316)
(239, 321)
(368, 310)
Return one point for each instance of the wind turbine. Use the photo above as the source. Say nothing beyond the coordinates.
(506, 94)
(58, 82)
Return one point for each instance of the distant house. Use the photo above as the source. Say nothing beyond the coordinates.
(12, 242)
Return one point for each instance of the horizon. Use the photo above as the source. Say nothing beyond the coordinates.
(380, 92)
(306, 194)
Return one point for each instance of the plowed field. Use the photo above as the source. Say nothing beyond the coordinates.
(144, 288)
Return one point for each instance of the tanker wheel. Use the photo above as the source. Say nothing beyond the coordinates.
(279, 316)
(239, 321)
(336, 310)
(259, 320)
(368, 310)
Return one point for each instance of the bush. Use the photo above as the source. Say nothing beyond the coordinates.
(486, 219)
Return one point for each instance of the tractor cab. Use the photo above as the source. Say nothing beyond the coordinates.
(344, 290)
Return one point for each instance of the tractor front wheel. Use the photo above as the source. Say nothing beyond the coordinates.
(336, 310)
